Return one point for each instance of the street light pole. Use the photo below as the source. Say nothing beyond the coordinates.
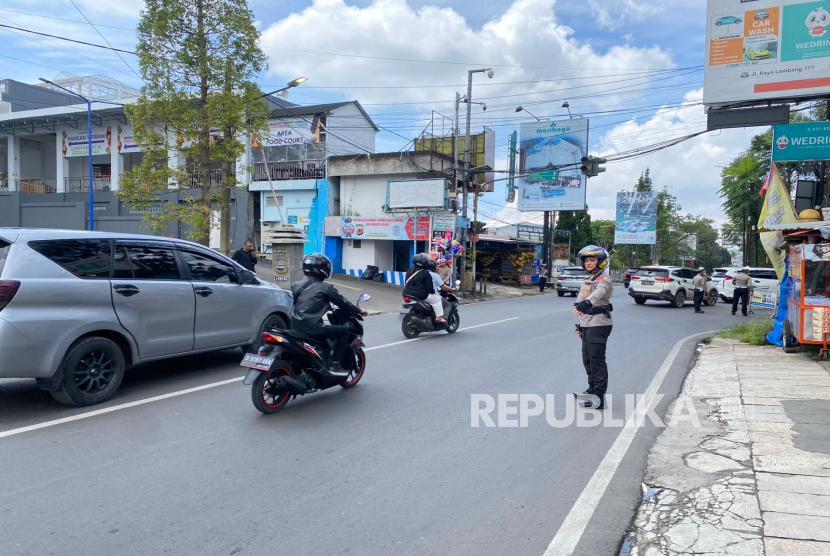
(469, 99)
(89, 147)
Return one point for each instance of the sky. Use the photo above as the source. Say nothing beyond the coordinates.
(633, 66)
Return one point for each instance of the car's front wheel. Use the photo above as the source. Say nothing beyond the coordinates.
(92, 371)
(711, 299)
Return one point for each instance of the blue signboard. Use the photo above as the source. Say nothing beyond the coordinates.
(804, 141)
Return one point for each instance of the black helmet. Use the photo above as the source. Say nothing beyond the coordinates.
(317, 265)
(594, 251)
(421, 260)
(431, 265)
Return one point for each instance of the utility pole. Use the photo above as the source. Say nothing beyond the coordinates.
(468, 100)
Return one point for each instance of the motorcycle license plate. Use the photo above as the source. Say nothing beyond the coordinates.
(403, 312)
(254, 361)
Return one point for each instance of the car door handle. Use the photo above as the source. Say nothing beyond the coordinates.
(204, 292)
(125, 289)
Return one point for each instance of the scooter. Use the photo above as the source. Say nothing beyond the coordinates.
(291, 364)
(417, 316)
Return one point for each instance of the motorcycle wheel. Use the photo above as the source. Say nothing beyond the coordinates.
(356, 372)
(268, 398)
(454, 321)
(408, 328)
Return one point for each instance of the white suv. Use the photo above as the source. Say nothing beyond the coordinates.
(668, 283)
(762, 279)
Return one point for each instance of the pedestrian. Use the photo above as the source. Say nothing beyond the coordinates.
(246, 256)
(543, 277)
(743, 287)
(593, 307)
(699, 282)
(445, 272)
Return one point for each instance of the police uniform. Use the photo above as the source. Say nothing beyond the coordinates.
(743, 283)
(699, 282)
(595, 331)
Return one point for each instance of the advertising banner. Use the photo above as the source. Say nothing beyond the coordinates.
(804, 141)
(126, 140)
(390, 228)
(551, 152)
(767, 299)
(766, 49)
(290, 131)
(443, 225)
(777, 209)
(75, 143)
(636, 220)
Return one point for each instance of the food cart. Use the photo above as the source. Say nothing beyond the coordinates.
(808, 296)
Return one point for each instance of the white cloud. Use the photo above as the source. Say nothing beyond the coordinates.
(526, 34)
(614, 13)
(692, 168)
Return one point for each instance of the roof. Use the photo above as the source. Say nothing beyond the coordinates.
(13, 234)
(503, 239)
(795, 226)
(285, 109)
(46, 118)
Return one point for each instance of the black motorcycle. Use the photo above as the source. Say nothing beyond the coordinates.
(417, 316)
(293, 364)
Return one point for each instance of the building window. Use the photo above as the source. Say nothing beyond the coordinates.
(356, 244)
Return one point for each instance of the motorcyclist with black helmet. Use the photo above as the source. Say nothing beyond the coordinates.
(419, 284)
(593, 307)
(312, 298)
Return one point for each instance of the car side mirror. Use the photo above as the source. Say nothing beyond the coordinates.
(249, 277)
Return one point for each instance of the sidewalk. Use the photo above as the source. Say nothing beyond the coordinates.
(754, 477)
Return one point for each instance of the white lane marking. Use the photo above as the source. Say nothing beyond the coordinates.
(45, 424)
(342, 285)
(569, 534)
(425, 337)
(88, 414)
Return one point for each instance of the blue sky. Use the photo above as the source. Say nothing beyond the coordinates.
(542, 51)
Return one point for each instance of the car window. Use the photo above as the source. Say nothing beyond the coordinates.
(573, 271)
(5, 246)
(688, 273)
(121, 263)
(653, 272)
(153, 263)
(763, 274)
(207, 269)
(85, 258)
(719, 273)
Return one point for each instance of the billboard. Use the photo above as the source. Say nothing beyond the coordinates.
(385, 227)
(126, 140)
(290, 131)
(410, 194)
(75, 143)
(482, 151)
(636, 220)
(549, 156)
(766, 49)
(804, 141)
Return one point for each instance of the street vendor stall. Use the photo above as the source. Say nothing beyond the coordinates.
(808, 296)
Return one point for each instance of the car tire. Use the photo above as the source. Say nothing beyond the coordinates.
(640, 300)
(271, 321)
(679, 299)
(712, 299)
(92, 372)
(560, 294)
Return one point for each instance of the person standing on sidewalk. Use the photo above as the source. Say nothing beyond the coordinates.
(246, 256)
(699, 282)
(543, 277)
(593, 307)
(743, 287)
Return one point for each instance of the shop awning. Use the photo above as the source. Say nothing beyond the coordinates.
(797, 226)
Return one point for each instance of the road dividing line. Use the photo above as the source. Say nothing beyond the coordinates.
(342, 285)
(569, 534)
(45, 424)
(88, 414)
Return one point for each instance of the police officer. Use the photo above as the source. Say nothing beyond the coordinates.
(743, 285)
(699, 282)
(593, 308)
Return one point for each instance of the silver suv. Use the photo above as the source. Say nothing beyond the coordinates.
(77, 308)
(571, 280)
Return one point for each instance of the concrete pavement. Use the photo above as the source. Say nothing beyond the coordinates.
(750, 474)
(181, 462)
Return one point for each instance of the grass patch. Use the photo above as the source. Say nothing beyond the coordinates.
(753, 332)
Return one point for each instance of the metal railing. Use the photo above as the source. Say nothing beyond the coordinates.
(195, 178)
(38, 185)
(81, 185)
(289, 170)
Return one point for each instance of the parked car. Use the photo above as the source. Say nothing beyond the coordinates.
(758, 54)
(628, 274)
(761, 14)
(728, 20)
(668, 283)
(77, 308)
(762, 279)
(570, 281)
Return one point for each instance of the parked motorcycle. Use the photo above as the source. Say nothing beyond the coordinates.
(294, 364)
(417, 316)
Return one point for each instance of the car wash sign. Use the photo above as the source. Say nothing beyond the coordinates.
(804, 141)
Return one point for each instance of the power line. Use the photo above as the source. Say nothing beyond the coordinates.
(62, 19)
(105, 40)
(67, 39)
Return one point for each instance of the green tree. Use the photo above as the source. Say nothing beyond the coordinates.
(578, 222)
(602, 232)
(644, 182)
(198, 59)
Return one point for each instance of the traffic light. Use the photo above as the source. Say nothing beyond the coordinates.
(591, 166)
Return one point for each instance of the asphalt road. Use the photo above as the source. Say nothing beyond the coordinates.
(390, 467)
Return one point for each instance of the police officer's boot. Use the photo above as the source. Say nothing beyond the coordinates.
(586, 393)
(596, 401)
